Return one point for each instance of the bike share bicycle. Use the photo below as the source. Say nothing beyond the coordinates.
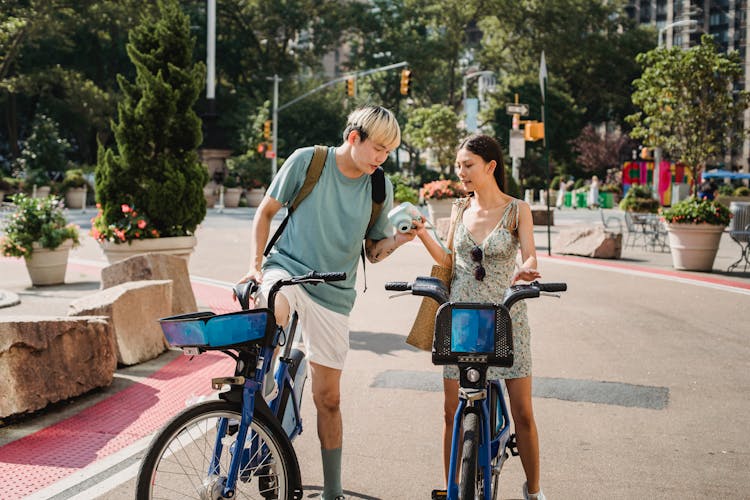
(475, 336)
(238, 446)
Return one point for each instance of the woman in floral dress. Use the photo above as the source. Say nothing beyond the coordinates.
(488, 228)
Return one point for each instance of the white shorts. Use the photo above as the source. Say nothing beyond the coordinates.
(325, 333)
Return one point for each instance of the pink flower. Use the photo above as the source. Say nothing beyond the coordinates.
(141, 224)
(125, 208)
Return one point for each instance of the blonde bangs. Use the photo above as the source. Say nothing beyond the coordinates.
(379, 124)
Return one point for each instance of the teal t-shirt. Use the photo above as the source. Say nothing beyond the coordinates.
(325, 233)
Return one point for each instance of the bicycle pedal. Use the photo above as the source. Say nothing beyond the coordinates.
(512, 446)
(439, 494)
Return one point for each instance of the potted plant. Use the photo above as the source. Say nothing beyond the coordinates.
(38, 232)
(695, 227)
(75, 188)
(155, 169)
(439, 196)
(232, 191)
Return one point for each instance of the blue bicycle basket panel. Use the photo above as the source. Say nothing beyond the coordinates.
(473, 333)
(209, 330)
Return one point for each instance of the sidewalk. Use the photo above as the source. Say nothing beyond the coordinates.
(217, 262)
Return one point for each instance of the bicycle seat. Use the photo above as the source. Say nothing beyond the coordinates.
(243, 291)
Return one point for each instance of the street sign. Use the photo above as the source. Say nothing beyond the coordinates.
(517, 144)
(517, 109)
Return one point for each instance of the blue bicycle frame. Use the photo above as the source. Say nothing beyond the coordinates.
(492, 441)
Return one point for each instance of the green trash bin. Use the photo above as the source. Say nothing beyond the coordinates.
(581, 200)
(606, 200)
(568, 200)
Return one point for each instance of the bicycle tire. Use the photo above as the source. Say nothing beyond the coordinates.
(177, 461)
(470, 449)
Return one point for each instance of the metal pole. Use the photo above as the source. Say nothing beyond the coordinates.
(546, 163)
(275, 124)
(211, 50)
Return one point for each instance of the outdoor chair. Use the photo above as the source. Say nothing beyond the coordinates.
(611, 223)
(739, 231)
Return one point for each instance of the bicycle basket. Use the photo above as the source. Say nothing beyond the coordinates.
(473, 333)
(211, 331)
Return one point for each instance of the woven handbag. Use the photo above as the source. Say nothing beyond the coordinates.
(422, 332)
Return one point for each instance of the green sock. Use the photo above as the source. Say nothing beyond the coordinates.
(331, 473)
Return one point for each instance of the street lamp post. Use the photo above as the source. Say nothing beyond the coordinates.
(657, 149)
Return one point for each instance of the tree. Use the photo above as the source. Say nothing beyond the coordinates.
(689, 107)
(598, 152)
(435, 128)
(156, 166)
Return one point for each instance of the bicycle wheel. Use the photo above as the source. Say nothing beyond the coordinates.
(179, 460)
(470, 449)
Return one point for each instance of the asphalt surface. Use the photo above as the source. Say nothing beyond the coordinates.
(641, 385)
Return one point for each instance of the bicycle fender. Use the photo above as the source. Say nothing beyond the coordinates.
(295, 475)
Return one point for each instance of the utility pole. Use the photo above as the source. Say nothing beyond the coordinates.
(275, 125)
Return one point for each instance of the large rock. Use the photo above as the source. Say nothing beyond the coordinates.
(589, 241)
(154, 266)
(133, 309)
(45, 360)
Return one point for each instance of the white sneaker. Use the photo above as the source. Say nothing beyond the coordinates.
(534, 496)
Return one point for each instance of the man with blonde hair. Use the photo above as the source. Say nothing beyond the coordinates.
(326, 236)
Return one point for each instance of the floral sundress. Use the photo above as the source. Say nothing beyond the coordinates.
(499, 250)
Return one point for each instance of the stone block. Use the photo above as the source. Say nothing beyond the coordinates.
(50, 359)
(589, 241)
(153, 266)
(539, 215)
(133, 309)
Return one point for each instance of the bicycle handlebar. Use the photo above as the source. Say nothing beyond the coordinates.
(436, 290)
(244, 290)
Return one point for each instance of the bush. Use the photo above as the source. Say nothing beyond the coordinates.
(36, 220)
(44, 152)
(252, 170)
(639, 199)
(402, 190)
(694, 211)
(726, 190)
(742, 191)
(73, 179)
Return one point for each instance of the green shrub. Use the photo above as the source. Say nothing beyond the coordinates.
(726, 190)
(639, 199)
(694, 211)
(742, 191)
(73, 179)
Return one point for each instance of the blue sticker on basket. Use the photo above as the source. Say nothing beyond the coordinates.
(236, 328)
(185, 333)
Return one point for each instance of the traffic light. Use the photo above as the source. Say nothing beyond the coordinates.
(405, 82)
(262, 148)
(267, 129)
(350, 87)
(533, 130)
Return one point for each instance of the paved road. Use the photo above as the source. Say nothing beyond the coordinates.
(641, 382)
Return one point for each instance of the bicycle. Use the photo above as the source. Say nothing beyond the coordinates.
(238, 446)
(475, 336)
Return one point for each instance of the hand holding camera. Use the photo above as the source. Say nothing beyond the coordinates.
(403, 216)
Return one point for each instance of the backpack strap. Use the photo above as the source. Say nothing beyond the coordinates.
(314, 170)
(377, 180)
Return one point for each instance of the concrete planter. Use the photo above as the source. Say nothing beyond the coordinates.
(255, 196)
(181, 246)
(232, 197)
(694, 246)
(47, 266)
(75, 197)
(437, 209)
